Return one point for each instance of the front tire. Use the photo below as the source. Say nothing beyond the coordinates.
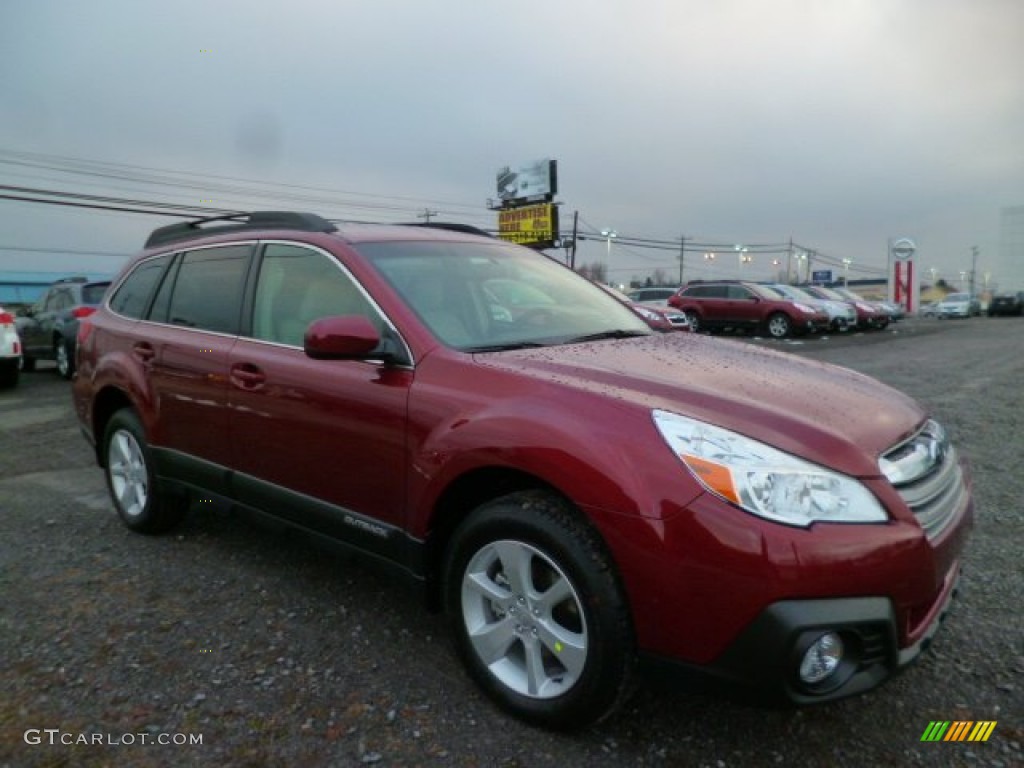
(131, 479)
(779, 326)
(693, 319)
(537, 613)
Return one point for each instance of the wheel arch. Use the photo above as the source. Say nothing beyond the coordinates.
(464, 494)
(107, 402)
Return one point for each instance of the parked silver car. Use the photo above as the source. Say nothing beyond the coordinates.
(841, 315)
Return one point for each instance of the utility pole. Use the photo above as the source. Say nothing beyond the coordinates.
(682, 256)
(789, 263)
(575, 237)
(974, 266)
(427, 213)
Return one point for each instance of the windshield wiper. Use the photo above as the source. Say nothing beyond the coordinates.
(616, 334)
(506, 347)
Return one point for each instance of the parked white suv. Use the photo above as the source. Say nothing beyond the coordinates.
(10, 350)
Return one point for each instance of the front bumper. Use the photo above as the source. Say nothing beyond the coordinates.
(765, 658)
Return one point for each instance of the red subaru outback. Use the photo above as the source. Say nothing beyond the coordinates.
(577, 492)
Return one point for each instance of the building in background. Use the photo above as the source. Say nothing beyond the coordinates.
(1011, 240)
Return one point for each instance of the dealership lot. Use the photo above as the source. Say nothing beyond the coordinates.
(278, 654)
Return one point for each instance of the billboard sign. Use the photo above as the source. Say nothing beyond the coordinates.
(532, 183)
(821, 276)
(534, 225)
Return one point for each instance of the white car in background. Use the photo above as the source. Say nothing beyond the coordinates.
(652, 297)
(958, 305)
(10, 350)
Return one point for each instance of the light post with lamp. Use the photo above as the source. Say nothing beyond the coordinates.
(846, 272)
(608, 234)
(743, 258)
(800, 257)
(709, 257)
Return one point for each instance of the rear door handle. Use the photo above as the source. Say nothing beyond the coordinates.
(143, 352)
(247, 376)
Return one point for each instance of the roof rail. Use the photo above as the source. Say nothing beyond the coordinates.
(72, 279)
(451, 226)
(238, 222)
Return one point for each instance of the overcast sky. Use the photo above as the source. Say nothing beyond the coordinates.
(837, 123)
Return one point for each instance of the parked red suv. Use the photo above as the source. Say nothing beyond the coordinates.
(575, 491)
(720, 304)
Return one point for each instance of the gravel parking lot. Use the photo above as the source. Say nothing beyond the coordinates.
(276, 654)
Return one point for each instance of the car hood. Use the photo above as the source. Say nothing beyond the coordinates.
(826, 414)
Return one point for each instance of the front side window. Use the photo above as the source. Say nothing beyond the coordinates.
(208, 290)
(296, 286)
(132, 296)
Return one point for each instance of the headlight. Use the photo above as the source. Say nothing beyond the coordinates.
(804, 308)
(763, 480)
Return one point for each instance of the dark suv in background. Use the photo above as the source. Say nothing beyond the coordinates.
(49, 328)
(727, 304)
(576, 491)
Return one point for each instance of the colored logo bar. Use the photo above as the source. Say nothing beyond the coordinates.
(958, 730)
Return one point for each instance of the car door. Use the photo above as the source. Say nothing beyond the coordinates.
(319, 442)
(743, 306)
(37, 334)
(192, 327)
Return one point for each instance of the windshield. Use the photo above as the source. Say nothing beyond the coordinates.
(766, 292)
(484, 296)
(792, 292)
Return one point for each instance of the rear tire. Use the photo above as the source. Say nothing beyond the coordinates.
(131, 478)
(28, 364)
(65, 358)
(537, 613)
(9, 375)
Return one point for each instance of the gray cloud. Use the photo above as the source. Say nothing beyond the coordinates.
(838, 123)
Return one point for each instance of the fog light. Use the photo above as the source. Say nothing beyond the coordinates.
(821, 659)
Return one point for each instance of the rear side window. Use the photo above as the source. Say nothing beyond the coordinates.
(208, 290)
(93, 294)
(132, 296)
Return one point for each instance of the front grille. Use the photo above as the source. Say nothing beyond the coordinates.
(926, 472)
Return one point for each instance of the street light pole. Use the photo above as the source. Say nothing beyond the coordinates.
(741, 252)
(608, 234)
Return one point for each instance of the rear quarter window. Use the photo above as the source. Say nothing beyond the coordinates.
(132, 297)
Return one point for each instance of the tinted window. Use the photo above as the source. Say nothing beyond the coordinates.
(132, 297)
(738, 292)
(58, 299)
(93, 294)
(297, 286)
(208, 290)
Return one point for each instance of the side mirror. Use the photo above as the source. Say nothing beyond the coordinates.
(348, 337)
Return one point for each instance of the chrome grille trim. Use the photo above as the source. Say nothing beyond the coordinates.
(926, 472)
